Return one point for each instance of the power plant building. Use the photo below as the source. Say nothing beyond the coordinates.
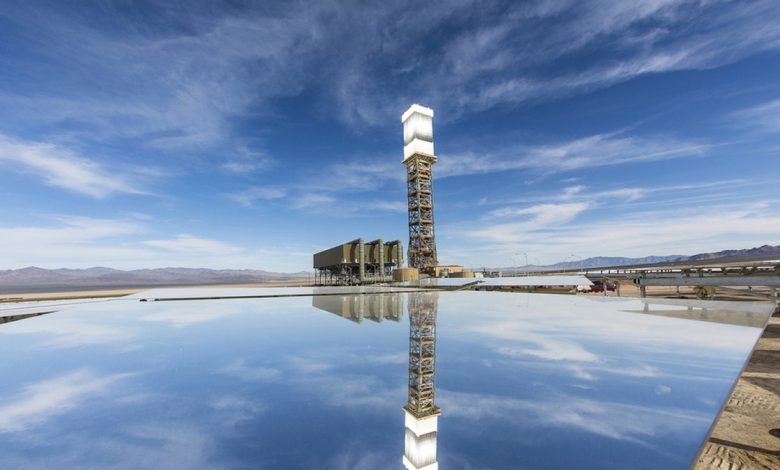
(358, 262)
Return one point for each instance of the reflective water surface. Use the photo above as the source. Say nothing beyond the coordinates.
(573, 280)
(450, 379)
(238, 292)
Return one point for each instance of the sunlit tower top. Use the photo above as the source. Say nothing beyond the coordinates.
(419, 159)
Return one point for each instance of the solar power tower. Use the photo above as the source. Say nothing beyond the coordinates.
(419, 159)
(421, 413)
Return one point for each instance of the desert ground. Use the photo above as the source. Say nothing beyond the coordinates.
(106, 293)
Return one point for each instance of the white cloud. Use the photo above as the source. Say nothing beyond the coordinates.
(587, 152)
(390, 206)
(516, 55)
(615, 420)
(247, 161)
(71, 230)
(539, 217)
(185, 243)
(233, 409)
(243, 166)
(362, 174)
(638, 196)
(309, 366)
(661, 228)
(764, 118)
(71, 242)
(153, 444)
(39, 401)
(61, 168)
(62, 332)
(185, 316)
(544, 213)
(240, 369)
(184, 89)
(249, 196)
(550, 349)
(569, 329)
(83, 242)
(312, 200)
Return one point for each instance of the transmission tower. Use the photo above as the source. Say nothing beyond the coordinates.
(419, 159)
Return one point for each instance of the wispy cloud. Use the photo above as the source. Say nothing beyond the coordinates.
(204, 66)
(249, 196)
(357, 175)
(344, 205)
(587, 152)
(638, 233)
(62, 332)
(544, 213)
(191, 72)
(67, 241)
(535, 218)
(69, 230)
(62, 168)
(692, 217)
(510, 55)
(185, 243)
(39, 401)
(181, 317)
(637, 196)
(240, 369)
(153, 444)
(764, 118)
(234, 409)
(247, 161)
(345, 187)
(313, 200)
(615, 420)
(390, 206)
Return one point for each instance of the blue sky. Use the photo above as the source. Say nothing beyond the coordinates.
(151, 134)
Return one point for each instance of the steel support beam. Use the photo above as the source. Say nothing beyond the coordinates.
(710, 281)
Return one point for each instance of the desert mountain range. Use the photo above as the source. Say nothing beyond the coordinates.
(33, 279)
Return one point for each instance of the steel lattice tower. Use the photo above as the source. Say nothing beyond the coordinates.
(419, 159)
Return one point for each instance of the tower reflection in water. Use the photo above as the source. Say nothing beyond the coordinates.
(358, 307)
(420, 411)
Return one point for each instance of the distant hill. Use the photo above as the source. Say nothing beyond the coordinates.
(764, 252)
(594, 262)
(750, 254)
(33, 279)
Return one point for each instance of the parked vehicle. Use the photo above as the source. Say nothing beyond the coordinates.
(599, 286)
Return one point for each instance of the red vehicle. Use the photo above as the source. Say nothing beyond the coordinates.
(598, 286)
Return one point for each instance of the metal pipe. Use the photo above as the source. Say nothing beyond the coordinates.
(381, 247)
(361, 261)
(711, 281)
(361, 258)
